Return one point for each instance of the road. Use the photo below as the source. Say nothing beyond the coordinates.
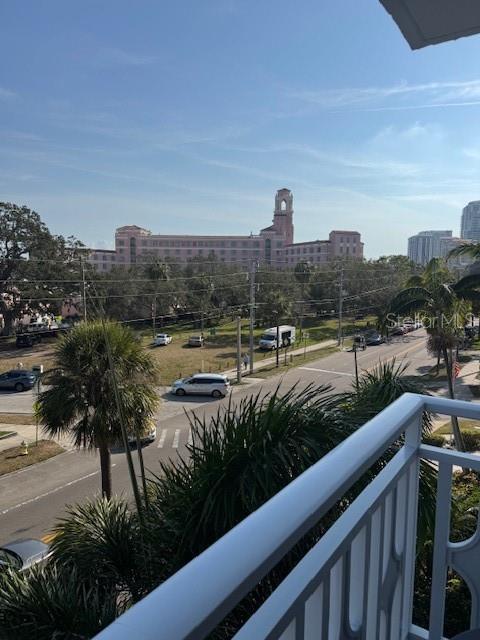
(32, 500)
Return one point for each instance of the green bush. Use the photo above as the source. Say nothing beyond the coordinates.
(434, 440)
(471, 440)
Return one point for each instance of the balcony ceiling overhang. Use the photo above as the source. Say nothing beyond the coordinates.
(425, 22)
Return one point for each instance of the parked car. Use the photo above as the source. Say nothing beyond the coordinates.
(409, 326)
(373, 339)
(196, 341)
(397, 331)
(17, 380)
(208, 384)
(149, 436)
(23, 554)
(268, 340)
(24, 340)
(162, 339)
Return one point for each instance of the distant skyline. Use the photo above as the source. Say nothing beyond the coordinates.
(187, 117)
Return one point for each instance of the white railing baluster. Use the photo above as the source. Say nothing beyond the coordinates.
(357, 580)
(374, 574)
(357, 571)
(314, 614)
(439, 565)
(336, 600)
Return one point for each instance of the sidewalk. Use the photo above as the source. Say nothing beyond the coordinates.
(467, 378)
(265, 362)
(26, 432)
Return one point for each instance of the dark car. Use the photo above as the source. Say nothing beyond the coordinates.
(397, 331)
(23, 554)
(27, 340)
(17, 380)
(373, 339)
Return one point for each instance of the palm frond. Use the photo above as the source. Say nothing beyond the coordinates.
(467, 249)
(48, 602)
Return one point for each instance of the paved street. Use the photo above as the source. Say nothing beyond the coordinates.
(32, 499)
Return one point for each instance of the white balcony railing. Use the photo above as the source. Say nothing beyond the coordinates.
(357, 581)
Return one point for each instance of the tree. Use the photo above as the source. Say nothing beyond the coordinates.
(443, 313)
(236, 462)
(81, 389)
(303, 273)
(37, 269)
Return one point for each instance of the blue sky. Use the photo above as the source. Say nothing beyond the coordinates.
(187, 116)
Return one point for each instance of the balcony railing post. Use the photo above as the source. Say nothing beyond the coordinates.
(439, 566)
(413, 439)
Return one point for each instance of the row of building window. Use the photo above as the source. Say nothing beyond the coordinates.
(297, 250)
(348, 239)
(198, 243)
(103, 257)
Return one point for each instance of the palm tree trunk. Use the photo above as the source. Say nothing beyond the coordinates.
(439, 355)
(457, 434)
(142, 469)
(106, 470)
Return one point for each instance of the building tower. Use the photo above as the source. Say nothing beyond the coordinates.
(471, 221)
(283, 214)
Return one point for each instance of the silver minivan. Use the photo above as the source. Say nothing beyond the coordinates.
(206, 384)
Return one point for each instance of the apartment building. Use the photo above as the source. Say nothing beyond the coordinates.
(426, 245)
(470, 224)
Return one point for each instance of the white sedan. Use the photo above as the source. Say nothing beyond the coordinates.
(162, 339)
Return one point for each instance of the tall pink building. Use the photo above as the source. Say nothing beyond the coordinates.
(273, 245)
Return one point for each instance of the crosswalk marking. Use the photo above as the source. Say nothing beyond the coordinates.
(163, 435)
(176, 438)
(190, 437)
(337, 373)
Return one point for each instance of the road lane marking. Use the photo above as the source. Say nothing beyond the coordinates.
(163, 435)
(337, 373)
(176, 438)
(190, 437)
(49, 493)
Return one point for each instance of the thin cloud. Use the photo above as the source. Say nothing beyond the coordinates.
(441, 94)
(115, 56)
(7, 94)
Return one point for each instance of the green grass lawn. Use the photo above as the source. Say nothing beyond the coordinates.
(13, 460)
(465, 425)
(16, 418)
(178, 360)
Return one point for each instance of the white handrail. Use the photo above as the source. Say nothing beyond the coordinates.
(216, 580)
(196, 598)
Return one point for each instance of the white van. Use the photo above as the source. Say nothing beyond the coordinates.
(268, 341)
(206, 384)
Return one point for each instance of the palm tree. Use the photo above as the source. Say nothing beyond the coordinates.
(237, 461)
(470, 249)
(442, 310)
(102, 381)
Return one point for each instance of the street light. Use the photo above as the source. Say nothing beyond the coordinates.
(358, 343)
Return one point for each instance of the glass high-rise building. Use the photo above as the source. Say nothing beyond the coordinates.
(470, 228)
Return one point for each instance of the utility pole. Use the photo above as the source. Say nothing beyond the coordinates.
(239, 349)
(278, 344)
(340, 308)
(154, 313)
(251, 345)
(356, 364)
(84, 290)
